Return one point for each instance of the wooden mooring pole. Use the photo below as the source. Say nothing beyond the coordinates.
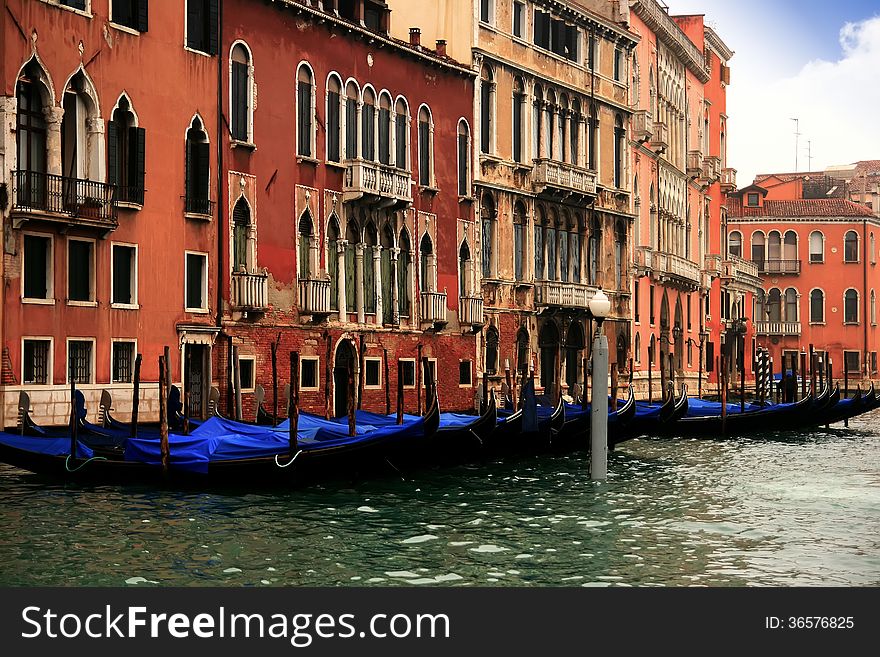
(136, 396)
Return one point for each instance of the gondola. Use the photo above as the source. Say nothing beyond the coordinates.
(850, 407)
(532, 428)
(651, 418)
(576, 430)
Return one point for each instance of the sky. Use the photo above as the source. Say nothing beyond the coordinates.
(813, 60)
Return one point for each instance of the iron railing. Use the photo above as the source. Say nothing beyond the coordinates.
(193, 205)
(66, 197)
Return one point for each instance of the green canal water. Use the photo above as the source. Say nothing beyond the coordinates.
(780, 510)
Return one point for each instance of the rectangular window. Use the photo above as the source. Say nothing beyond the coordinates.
(651, 304)
(333, 126)
(130, 13)
(752, 200)
(424, 153)
(201, 25)
(80, 271)
(618, 64)
(240, 101)
(517, 128)
(79, 360)
(463, 165)
(35, 362)
(689, 311)
(572, 43)
(351, 128)
(519, 246)
(430, 373)
(74, 4)
(519, 19)
(464, 373)
(384, 135)
(308, 374)
(37, 267)
(196, 281)
(122, 360)
(246, 372)
(400, 127)
(637, 284)
(542, 29)
(408, 372)
(851, 361)
(124, 275)
(304, 114)
(873, 362)
(486, 11)
(591, 52)
(372, 373)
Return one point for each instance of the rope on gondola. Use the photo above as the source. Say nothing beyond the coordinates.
(396, 469)
(474, 434)
(84, 464)
(290, 462)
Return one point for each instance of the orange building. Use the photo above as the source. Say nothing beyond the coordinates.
(817, 259)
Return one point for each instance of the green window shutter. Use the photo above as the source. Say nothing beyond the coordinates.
(112, 153)
(142, 15)
(213, 37)
(136, 171)
(350, 298)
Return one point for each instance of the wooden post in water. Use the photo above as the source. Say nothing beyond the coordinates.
(557, 375)
(419, 377)
(484, 402)
(74, 425)
(742, 384)
(508, 380)
(163, 413)
(722, 378)
(803, 374)
(360, 396)
(387, 384)
(274, 348)
(186, 392)
(820, 370)
(136, 396)
(399, 392)
(584, 391)
(328, 397)
(230, 378)
(614, 384)
(293, 403)
(662, 377)
(352, 422)
(236, 371)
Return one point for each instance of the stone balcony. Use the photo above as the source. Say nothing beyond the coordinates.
(712, 264)
(741, 272)
(711, 168)
(433, 308)
(781, 329)
(72, 202)
(695, 164)
(471, 311)
(677, 269)
(728, 179)
(559, 179)
(250, 290)
(642, 125)
(660, 140)
(314, 297)
(776, 266)
(563, 295)
(385, 185)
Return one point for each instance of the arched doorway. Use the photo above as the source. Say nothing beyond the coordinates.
(346, 357)
(548, 341)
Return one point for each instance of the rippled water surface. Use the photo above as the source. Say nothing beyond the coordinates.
(791, 510)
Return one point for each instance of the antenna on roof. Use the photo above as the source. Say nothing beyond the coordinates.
(809, 156)
(796, 135)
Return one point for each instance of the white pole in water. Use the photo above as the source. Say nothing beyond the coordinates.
(599, 307)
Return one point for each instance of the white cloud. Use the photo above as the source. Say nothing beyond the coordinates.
(835, 102)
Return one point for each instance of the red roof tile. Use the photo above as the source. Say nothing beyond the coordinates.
(820, 207)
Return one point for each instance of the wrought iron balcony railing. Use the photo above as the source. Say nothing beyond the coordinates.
(68, 200)
(201, 206)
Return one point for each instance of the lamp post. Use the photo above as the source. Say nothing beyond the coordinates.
(600, 306)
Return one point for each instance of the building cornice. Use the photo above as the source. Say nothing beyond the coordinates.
(671, 35)
(873, 220)
(715, 43)
(585, 18)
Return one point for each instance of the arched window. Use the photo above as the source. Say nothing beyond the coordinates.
(652, 349)
(197, 169)
(774, 248)
(125, 153)
(401, 135)
(491, 350)
(851, 307)
(464, 158)
(387, 274)
(550, 244)
(305, 111)
(464, 270)
(426, 147)
(519, 104)
(774, 305)
(789, 249)
(791, 305)
(575, 133)
(873, 308)
(351, 120)
(537, 109)
(241, 226)
(817, 247)
(734, 243)
(593, 131)
(540, 221)
(487, 110)
(817, 307)
(637, 349)
(522, 351)
(306, 231)
(426, 262)
(334, 126)
(620, 255)
(593, 251)
(370, 264)
(385, 129)
(333, 261)
(851, 246)
(759, 244)
(242, 92)
(575, 242)
(619, 150)
(487, 224)
(549, 127)
(564, 258)
(30, 136)
(872, 254)
(368, 126)
(519, 240)
(353, 238)
(403, 274)
(760, 306)
(82, 148)
(562, 121)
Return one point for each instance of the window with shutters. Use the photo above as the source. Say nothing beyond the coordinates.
(487, 221)
(593, 134)
(464, 155)
(518, 114)
(202, 25)
(487, 11)
(123, 274)
(851, 246)
(334, 100)
(464, 270)
(620, 261)
(352, 95)
(426, 264)
(30, 135)
(487, 109)
(241, 236)
(129, 13)
(385, 129)
(370, 262)
(126, 145)
(36, 361)
(426, 147)
(197, 200)
(386, 273)
(851, 307)
(196, 277)
(83, 148)
(122, 361)
(540, 220)
(305, 112)
(80, 361)
(519, 240)
(619, 150)
(519, 19)
(368, 126)
(404, 275)
(851, 361)
(353, 238)
(304, 252)
(401, 135)
(593, 251)
(80, 271)
(333, 260)
(37, 268)
(817, 307)
(241, 94)
(550, 245)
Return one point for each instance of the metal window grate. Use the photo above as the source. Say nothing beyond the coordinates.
(80, 361)
(123, 357)
(36, 362)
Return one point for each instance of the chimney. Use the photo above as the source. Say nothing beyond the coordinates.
(415, 36)
(441, 47)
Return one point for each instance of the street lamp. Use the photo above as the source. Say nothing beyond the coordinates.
(600, 306)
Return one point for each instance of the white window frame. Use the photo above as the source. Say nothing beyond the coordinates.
(341, 126)
(810, 305)
(373, 359)
(134, 354)
(433, 363)
(313, 146)
(415, 372)
(490, 19)
(466, 385)
(91, 365)
(469, 174)
(186, 46)
(87, 12)
(430, 183)
(317, 361)
(119, 26)
(252, 101)
(50, 366)
(50, 275)
(858, 319)
(207, 308)
(524, 22)
(92, 302)
(134, 277)
(253, 359)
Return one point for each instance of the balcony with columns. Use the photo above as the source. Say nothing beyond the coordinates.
(386, 185)
(559, 179)
(777, 329)
(250, 291)
(660, 139)
(555, 294)
(670, 267)
(433, 308)
(314, 297)
(711, 168)
(728, 180)
(471, 311)
(712, 264)
(695, 164)
(642, 125)
(741, 272)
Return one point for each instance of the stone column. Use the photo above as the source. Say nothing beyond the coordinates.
(53, 117)
(340, 277)
(377, 276)
(314, 257)
(359, 281)
(395, 296)
(96, 166)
